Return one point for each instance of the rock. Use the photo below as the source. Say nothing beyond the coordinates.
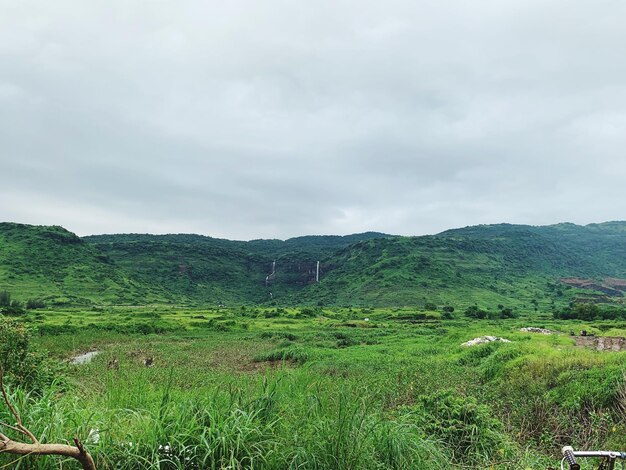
(543, 331)
(84, 358)
(485, 339)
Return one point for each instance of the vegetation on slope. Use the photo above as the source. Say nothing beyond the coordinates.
(56, 266)
(199, 269)
(489, 265)
(511, 265)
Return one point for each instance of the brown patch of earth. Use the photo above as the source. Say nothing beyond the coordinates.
(611, 286)
(616, 283)
(240, 361)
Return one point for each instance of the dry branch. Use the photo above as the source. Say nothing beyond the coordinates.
(10, 446)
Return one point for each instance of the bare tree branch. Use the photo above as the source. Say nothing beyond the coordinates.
(9, 446)
(19, 448)
(6, 425)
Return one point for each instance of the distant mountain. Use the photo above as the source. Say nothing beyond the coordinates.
(514, 265)
(196, 268)
(489, 265)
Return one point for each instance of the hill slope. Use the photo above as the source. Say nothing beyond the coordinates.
(512, 265)
(489, 265)
(195, 268)
(57, 266)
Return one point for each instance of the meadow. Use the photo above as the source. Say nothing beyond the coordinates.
(318, 388)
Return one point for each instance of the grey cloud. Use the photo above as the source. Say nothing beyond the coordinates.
(275, 119)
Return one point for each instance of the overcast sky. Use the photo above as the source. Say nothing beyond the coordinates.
(282, 118)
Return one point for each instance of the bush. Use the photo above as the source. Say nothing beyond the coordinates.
(507, 312)
(474, 312)
(581, 311)
(32, 304)
(307, 312)
(292, 354)
(465, 426)
(23, 364)
(8, 306)
(278, 334)
(5, 298)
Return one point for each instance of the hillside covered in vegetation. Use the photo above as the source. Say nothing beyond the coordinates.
(513, 265)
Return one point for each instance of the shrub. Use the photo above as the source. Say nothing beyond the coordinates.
(272, 313)
(23, 364)
(32, 304)
(307, 312)
(8, 306)
(465, 426)
(278, 334)
(294, 354)
(474, 312)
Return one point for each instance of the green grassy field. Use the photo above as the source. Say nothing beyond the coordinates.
(318, 388)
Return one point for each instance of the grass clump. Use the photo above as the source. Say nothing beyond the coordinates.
(293, 354)
(467, 428)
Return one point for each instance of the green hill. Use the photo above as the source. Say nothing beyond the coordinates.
(55, 265)
(195, 268)
(489, 265)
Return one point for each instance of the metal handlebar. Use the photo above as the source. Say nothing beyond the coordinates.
(569, 456)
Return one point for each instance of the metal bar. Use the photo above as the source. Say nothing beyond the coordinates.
(600, 453)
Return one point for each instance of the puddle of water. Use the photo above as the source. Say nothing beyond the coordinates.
(84, 358)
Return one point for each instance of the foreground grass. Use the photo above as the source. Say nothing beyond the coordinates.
(234, 388)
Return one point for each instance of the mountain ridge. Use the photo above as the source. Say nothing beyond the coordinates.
(511, 264)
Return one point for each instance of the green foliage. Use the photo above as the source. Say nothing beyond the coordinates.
(321, 391)
(9, 306)
(294, 354)
(468, 428)
(590, 311)
(57, 267)
(33, 304)
(518, 267)
(5, 299)
(474, 312)
(24, 364)
(592, 389)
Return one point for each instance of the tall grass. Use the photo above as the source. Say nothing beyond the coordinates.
(228, 429)
(329, 397)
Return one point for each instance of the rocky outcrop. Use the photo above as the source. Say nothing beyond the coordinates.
(543, 331)
(485, 339)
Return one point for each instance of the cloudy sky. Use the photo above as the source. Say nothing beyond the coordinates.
(282, 118)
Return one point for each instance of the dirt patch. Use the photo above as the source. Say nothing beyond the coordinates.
(602, 343)
(612, 287)
(242, 361)
(616, 283)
